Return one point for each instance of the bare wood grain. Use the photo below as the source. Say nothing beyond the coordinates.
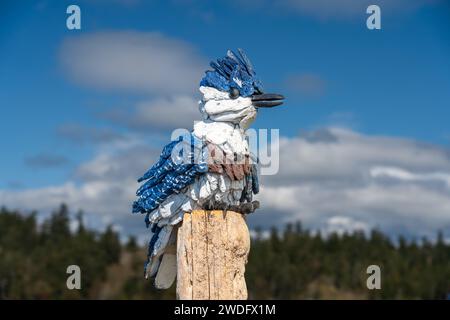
(212, 252)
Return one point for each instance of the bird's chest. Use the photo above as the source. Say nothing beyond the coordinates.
(228, 151)
(230, 138)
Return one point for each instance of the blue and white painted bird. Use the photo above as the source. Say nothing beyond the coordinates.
(209, 168)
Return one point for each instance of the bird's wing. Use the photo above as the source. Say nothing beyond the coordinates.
(254, 180)
(180, 162)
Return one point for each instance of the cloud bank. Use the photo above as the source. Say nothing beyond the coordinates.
(398, 185)
(142, 62)
(331, 179)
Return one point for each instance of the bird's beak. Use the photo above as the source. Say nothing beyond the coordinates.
(267, 100)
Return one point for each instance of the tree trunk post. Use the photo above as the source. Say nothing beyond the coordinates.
(212, 251)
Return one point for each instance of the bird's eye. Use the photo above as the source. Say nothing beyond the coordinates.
(234, 93)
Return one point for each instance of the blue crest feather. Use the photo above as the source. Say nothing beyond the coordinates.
(233, 71)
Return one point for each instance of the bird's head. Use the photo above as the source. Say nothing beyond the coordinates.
(232, 92)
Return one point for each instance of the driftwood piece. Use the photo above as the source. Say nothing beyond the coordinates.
(212, 251)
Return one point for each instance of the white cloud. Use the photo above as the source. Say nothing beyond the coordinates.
(400, 174)
(340, 174)
(413, 209)
(158, 114)
(342, 155)
(144, 62)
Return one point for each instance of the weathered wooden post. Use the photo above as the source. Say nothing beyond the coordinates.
(196, 195)
(212, 251)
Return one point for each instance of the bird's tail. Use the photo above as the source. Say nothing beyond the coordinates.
(162, 260)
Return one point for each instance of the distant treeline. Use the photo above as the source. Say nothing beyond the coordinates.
(292, 264)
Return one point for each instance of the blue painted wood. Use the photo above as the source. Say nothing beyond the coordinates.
(233, 71)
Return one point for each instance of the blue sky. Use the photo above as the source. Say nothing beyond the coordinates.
(59, 113)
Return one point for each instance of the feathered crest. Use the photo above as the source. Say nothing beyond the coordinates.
(233, 71)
